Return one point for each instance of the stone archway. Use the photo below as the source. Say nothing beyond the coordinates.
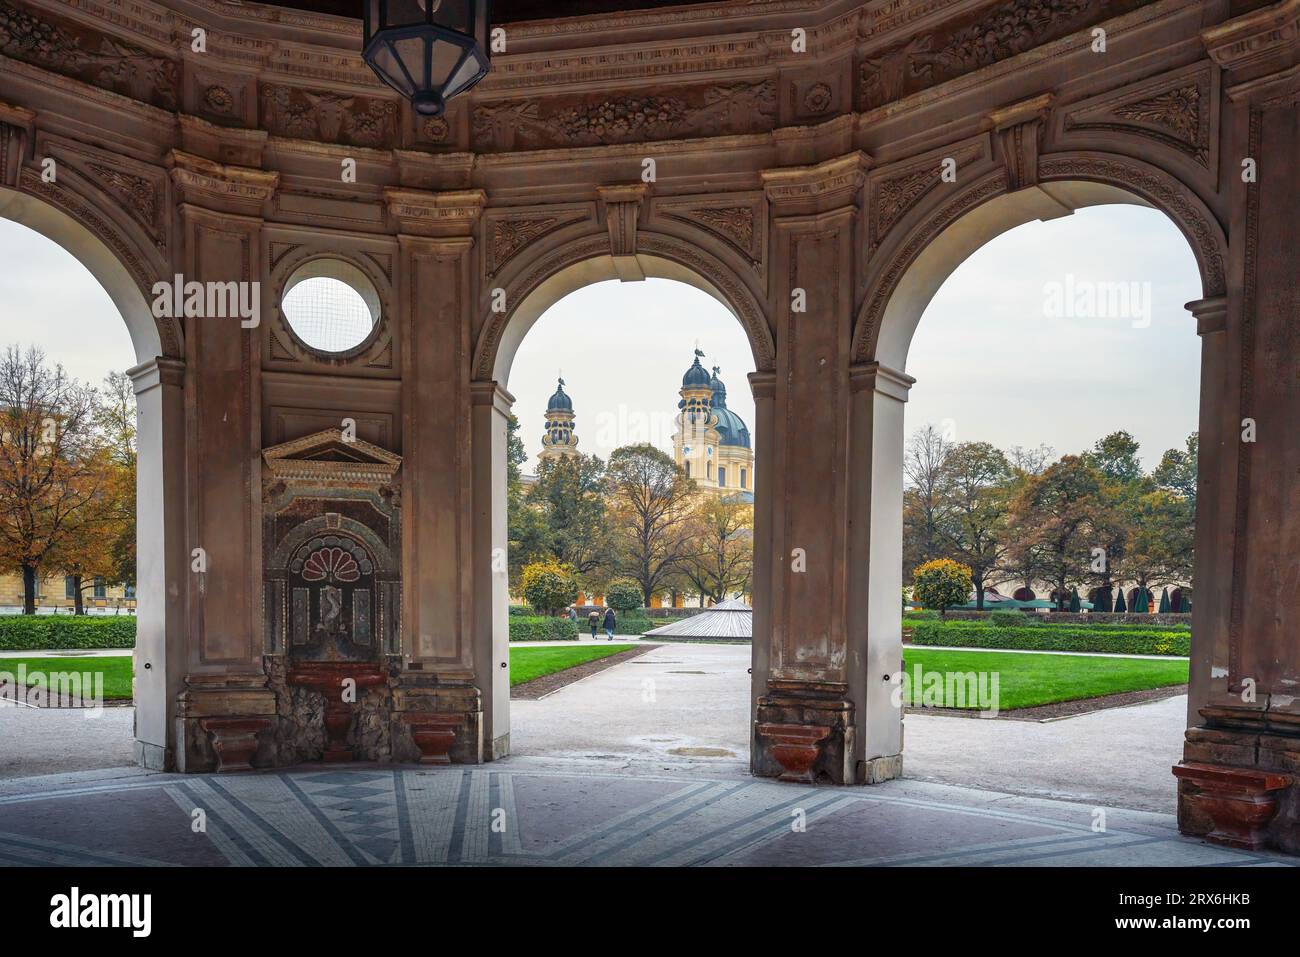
(542, 277)
(111, 252)
(804, 188)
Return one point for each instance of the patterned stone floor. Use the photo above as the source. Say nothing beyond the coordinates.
(522, 812)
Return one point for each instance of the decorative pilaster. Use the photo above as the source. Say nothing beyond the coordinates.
(220, 211)
(439, 559)
(1243, 758)
(807, 706)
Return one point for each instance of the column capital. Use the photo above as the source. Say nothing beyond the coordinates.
(763, 384)
(1211, 314)
(1263, 43)
(820, 188)
(490, 392)
(438, 215)
(157, 371)
(873, 376)
(200, 182)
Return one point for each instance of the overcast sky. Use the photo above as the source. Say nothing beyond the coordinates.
(1008, 351)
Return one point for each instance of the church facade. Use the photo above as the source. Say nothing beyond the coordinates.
(711, 443)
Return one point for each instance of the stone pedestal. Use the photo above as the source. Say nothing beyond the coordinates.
(330, 679)
(1238, 803)
(234, 740)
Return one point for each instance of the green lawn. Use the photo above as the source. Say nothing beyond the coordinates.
(1025, 680)
(116, 670)
(534, 662)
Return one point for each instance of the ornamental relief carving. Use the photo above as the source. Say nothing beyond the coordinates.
(893, 193)
(144, 273)
(868, 326)
(137, 195)
(626, 118)
(738, 221)
(97, 59)
(329, 117)
(1176, 111)
(981, 38)
(506, 233)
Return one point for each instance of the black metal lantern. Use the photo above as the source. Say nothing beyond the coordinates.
(427, 50)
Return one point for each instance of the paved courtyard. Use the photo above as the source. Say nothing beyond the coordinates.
(643, 763)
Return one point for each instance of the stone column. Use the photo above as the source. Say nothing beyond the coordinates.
(806, 722)
(225, 703)
(491, 572)
(763, 385)
(1239, 781)
(438, 699)
(162, 561)
(876, 563)
(1219, 436)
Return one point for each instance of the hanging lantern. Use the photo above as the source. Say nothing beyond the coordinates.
(427, 50)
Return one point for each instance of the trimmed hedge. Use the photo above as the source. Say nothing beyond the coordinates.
(542, 628)
(66, 632)
(1115, 639)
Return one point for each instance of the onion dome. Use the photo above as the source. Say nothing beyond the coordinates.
(696, 376)
(560, 401)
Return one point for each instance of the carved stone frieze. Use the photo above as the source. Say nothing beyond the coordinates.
(99, 59)
(986, 35)
(329, 117)
(625, 118)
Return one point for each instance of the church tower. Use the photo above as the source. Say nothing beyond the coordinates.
(712, 444)
(559, 441)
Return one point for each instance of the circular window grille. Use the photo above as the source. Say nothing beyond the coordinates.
(331, 306)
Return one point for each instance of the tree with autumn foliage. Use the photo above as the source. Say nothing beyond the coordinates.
(720, 560)
(57, 478)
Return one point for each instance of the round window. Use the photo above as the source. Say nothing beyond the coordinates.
(331, 306)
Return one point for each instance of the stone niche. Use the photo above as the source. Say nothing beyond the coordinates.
(332, 601)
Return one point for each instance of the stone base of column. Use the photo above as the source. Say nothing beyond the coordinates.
(221, 720)
(880, 769)
(1239, 780)
(153, 757)
(804, 732)
(500, 748)
(438, 723)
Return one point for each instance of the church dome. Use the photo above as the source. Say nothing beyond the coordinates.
(560, 401)
(696, 376)
(731, 427)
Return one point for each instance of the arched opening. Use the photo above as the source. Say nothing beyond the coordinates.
(1004, 320)
(60, 305)
(597, 371)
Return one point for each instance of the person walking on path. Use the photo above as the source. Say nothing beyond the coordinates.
(593, 619)
(609, 624)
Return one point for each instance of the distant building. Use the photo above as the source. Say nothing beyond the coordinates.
(54, 595)
(559, 441)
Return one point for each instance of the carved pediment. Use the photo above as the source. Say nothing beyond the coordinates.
(331, 456)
